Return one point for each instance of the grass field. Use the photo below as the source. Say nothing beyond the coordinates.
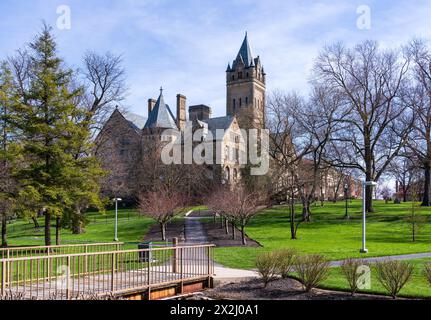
(417, 287)
(329, 234)
(131, 229)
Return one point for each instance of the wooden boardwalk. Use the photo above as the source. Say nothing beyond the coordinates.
(104, 274)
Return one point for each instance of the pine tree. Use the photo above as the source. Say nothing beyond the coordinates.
(8, 148)
(51, 135)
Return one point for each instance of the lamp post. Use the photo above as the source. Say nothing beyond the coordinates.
(116, 218)
(365, 184)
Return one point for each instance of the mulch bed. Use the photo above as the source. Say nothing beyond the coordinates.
(174, 229)
(217, 235)
(282, 289)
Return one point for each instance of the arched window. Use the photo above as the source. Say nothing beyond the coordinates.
(227, 174)
(246, 101)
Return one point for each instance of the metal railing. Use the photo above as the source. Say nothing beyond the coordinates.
(19, 252)
(99, 274)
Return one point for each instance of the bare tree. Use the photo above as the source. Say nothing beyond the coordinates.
(162, 205)
(404, 170)
(289, 144)
(372, 124)
(104, 81)
(318, 121)
(419, 100)
(238, 204)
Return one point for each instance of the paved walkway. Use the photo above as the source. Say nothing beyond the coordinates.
(412, 256)
(195, 232)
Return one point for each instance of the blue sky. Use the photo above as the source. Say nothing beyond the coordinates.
(186, 45)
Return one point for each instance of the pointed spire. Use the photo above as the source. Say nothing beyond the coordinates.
(245, 54)
(228, 68)
(161, 115)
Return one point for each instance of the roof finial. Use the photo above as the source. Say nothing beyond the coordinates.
(161, 90)
(246, 33)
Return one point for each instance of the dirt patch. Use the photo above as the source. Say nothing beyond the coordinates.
(174, 229)
(282, 289)
(217, 235)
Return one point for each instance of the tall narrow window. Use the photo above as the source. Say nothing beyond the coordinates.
(234, 104)
(246, 101)
(240, 102)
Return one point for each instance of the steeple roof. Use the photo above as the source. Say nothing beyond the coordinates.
(161, 115)
(245, 53)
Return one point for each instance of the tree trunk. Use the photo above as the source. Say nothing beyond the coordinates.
(244, 240)
(427, 177)
(292, 219)
(77, 224)
(226, 225)
(306, 213)
(36, 223)
(57, 231)
(404, 195)
(4, 231)
(47, 228)
(163, 231)
(233, 230)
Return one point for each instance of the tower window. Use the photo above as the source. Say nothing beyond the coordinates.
(246, 101)
(234, 103)
(240, 102)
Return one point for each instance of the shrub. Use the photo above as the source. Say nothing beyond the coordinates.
(266, 264)
(349, 268)
(311, 270)
(393, 275)
(427, 272)
(285, 261)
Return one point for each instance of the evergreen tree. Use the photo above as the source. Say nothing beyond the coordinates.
(8, 148)
(52, 173)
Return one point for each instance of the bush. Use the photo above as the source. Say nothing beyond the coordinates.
(349, 268)
(311, 270)
(266, 264)
(427, 272)
(285, 262)
(393, 275)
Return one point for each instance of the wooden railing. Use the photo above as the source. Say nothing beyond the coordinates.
(19, 252)
(98, 274)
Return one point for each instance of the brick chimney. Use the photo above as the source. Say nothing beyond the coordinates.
(151, 104)
(199, 112)
(181, 111)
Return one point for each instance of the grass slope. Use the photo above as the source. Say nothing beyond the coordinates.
(329, 234)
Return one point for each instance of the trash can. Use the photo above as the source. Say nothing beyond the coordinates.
(145, 256)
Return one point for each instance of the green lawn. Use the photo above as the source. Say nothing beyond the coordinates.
(131, 230)
(329, 234)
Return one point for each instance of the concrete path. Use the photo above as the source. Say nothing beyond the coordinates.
(195, 232)
(412, 256)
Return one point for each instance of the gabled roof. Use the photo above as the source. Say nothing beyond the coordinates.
(161, 116)
(135, 120)
(223, 123)
(244, 54)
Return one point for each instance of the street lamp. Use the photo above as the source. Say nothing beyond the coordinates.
(116, 218)
(365, 184)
